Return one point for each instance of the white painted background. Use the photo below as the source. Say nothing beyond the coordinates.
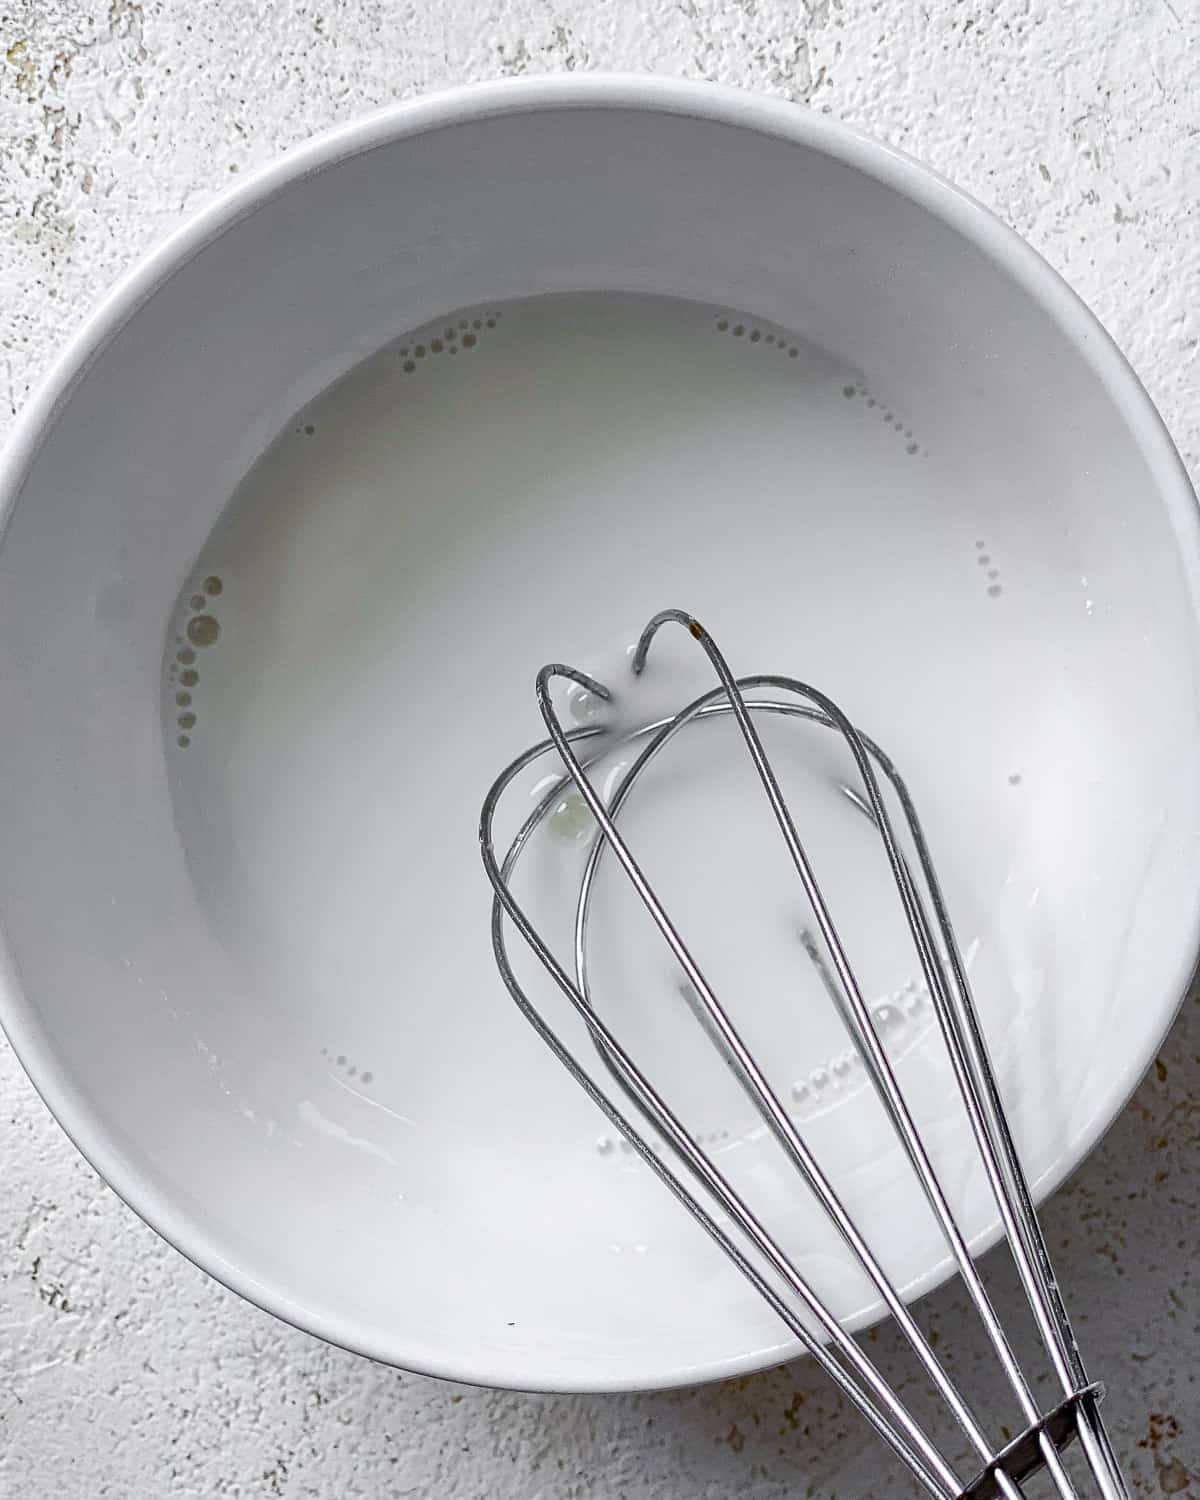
(124, 1372)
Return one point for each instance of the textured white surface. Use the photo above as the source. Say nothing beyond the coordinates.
(125, 1372)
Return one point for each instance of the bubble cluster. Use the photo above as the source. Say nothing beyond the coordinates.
(858, 391)
(900, 1022)
(984, 559)
(734, 326)
(351, 1070)
(755, 333)
(200, 631)
(461, 333)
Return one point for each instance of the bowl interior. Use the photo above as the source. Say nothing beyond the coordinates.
(194, 1018)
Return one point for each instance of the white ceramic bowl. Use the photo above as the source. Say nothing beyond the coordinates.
(476, 1235)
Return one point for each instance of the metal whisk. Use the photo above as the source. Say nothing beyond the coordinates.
(692, 1174)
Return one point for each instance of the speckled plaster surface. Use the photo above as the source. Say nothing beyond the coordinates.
(123, 1370)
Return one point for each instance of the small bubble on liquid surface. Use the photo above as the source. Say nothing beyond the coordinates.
(189, 678)
(203, 630)
(585, 707)
(604, 1145)
(213, 586)
(572, 821)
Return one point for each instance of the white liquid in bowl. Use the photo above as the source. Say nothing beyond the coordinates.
(352, 662)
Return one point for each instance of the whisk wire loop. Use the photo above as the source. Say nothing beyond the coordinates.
(1045, 1433)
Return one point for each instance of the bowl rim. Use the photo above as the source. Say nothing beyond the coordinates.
(771, 117)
